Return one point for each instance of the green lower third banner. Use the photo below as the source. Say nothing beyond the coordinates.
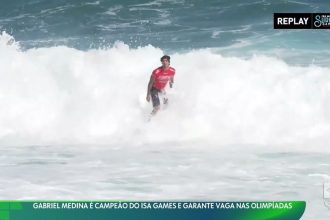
(124, 210)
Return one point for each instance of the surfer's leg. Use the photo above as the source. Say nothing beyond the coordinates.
(155, 100)
(165, 99)
(155, 110)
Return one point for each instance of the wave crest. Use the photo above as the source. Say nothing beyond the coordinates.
(63, 95)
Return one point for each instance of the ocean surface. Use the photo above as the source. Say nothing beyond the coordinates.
(237, 28)
(248, 117)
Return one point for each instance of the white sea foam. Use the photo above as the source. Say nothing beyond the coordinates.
(63, 95)
(114, 10)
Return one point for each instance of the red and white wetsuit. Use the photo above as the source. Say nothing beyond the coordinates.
(162, 76)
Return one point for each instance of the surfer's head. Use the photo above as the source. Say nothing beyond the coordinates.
(165, 61)
(165, 57)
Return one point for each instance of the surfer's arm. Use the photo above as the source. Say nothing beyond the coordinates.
(150, 84)
(171, 81)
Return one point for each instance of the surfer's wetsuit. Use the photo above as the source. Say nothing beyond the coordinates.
(161, 78)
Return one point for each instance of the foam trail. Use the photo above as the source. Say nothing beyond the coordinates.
(63, 95)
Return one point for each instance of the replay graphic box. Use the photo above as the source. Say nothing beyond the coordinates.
(301, 20)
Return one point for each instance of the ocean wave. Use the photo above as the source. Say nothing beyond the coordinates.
(64, 95)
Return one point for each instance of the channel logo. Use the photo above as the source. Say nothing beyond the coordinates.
(301, 20)
(321, 21)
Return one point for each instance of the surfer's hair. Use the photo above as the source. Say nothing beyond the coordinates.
(167, 57)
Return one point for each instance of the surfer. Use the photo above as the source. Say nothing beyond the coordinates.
(158, 80)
